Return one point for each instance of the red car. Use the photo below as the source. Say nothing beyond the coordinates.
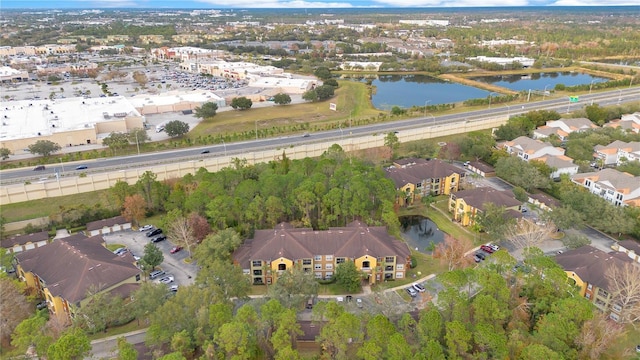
(487, 249)
(176, 249)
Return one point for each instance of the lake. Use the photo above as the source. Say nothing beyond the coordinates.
(539, 81)
(419, 232)
(406, 91)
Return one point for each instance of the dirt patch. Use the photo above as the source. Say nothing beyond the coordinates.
(477, 84)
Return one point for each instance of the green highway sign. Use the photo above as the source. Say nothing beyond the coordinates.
(573, 99)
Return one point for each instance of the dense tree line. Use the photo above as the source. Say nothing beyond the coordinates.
(330, 191)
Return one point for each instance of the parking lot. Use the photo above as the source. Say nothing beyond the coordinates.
(173, 264)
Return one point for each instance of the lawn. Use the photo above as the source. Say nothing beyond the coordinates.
(46, 207)
(351, 101)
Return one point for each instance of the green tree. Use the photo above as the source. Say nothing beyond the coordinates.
(391, 141)
(494, 220)
(323, 73)
(282, 99)
(206, 111)
(458, 339)
(294, 287)
(44, 148)
(217, 247)
(138, 136)
(73, 344)
(596, 114)
(477, 145)
(147, 299)
(310, 95)
(116, 141)
(224, 279)
(126, 351)
(32, 332)
(348, 276)
(152, 257)
(241, 103)
(4, 153)
(325, 92)
(176, 128)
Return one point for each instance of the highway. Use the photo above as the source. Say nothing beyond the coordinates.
(562, 105)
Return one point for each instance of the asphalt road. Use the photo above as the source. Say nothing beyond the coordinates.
(612, 97)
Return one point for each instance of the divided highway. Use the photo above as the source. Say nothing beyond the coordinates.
(562, 105)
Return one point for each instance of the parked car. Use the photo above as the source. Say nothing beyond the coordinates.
(173, 288)
(480, 255)
(39, 168)
(175, 249)
(412, 292)
(476, 258)
(494, 247)
(120, 251)
(81, 167)
(41, 305)
(418, 287)
(159, 238)
(146, 228)
(167, 279)
(155, 274)
(487, 248)
(154, 232)
(339, 299)
(638, 348)
(359, 302)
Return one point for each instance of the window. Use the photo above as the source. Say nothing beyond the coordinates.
(317, 266)
(137, 277)
(614, 317)
(317, 258)
(437, 181)
(306, 261)
(328, 257)
(318, 275)
(590, 287)
(366, 264)
(418, 185)
(282, 266)
(587, 295)
(603, 293)
(400, 267)
(339, 260)
(256, 263)
(328, 266)
(617, 308)
(399, 275)
(257, 272)
(246, 271)
(389, 259)
(328, 275)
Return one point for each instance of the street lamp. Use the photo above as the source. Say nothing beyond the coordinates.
(490, 98)
(508, 111)
(256, 129)
(225, 147)
(619, 95)
(341, 133)
(591, 86)
(137, 142)
(434, 119)
(425, 107)
(544, 93)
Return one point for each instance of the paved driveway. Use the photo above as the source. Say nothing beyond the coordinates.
(183, 273)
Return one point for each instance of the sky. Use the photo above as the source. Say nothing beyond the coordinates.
(302, 4)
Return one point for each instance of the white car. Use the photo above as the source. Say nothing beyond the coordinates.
(339, 299)
(494, 247)
(359, 302)
(418, 287)
(120, 251)
(173, 288)
(146, 227)
(167, 279)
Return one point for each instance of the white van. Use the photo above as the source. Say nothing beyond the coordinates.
(155, 274)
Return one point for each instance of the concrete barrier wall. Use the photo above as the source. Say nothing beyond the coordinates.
(68, 186)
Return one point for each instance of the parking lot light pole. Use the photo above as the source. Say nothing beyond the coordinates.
(425, 107)
(256, 129)
(490, 98)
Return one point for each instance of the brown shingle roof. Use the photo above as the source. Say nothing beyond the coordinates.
(631, 245)
(72, 265)
(479, 196)
(24, 239)
(546, 199)
(354, 240)
(591, 264)
(97, 225)
(415, 170)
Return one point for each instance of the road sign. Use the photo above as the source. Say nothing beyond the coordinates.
(573, 99)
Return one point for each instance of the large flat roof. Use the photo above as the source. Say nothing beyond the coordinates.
(174, 97)
(31, 118)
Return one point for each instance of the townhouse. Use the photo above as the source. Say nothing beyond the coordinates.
(416, 178)
(66, 270)
(465, 205)
(617, 152)
(618, 188)
(629, 247)
(106, 226)
(20, 243)
(378, 255)
(628, 122)
(588, 267)
(563, 127)
(528, 149)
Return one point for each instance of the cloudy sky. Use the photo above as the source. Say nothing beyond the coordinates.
(236, 4)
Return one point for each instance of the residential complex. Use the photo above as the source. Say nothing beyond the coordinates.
(465, 205)
(67, 271)
(618, 188)
(271, 252)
